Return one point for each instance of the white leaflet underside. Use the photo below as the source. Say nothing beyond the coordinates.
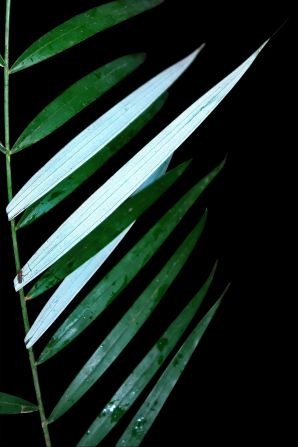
(95, 137)
(127, 179)
(75, 281)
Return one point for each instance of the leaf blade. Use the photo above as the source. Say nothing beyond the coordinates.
(80, 28)
(70, 183)
(126, 328)
(145, 416)
(70, 287)
(74, 282)
(2, 61)
(136, 382)
(105, 232)
(95, 137)
(112, 284)
(132, 174)
(10, 404)
(75, 98)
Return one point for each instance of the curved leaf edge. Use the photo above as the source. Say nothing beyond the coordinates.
(78, 177)
(131, 209)
(111, 285)
(149, 410)
(128, 327)
(147, 368)
(73, 28)
(76, 90)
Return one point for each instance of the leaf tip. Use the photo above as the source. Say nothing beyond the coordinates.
(215, 266)
(225, 290)
(140, 56)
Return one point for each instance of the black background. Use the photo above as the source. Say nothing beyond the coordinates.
(239, 388)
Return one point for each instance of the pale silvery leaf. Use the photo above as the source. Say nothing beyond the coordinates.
(68, 289)
(76, 280)
(95, 137)
(127, 179)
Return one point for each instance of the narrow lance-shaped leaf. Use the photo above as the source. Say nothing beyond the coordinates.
(2, 62)
(127, 179)
(126, 328)
(136, 382)
(80, 28)
(106, 232)
(10, 404)
(144, 418)
(112, 284)
(69, 288)
(2, 148)
(108, 289)
(76, 98)
(73, 181)
(74, 282)
(95, 137)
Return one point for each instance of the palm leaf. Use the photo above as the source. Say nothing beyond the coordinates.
(80, 28)
(68, 289)
(136, 382)
(95, 137)
(127, 179)
(107, 231)
(74, 282)
(73, 181)
(135, 259)
(76, 98)
(127, 327)
(10, 404)
(144, 418)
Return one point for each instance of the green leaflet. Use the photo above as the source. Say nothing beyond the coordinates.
(10, 404)
(68, 185)
(143, 373)
(2, 62)
(2, 148)
(146, 415)
(79, 28)
(127, 327)
(129, 211)
(76, 98)
(112, 284)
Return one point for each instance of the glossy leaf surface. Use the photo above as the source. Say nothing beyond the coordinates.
(67, 291)
(130, 176)
(74, 282)
(10, 404)
(107, 231)
(79, 28)
(112, 284)
(144, 372)
(144, 418)
(76, 98)
(126, 328)
(73, 181)
(95, 137)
